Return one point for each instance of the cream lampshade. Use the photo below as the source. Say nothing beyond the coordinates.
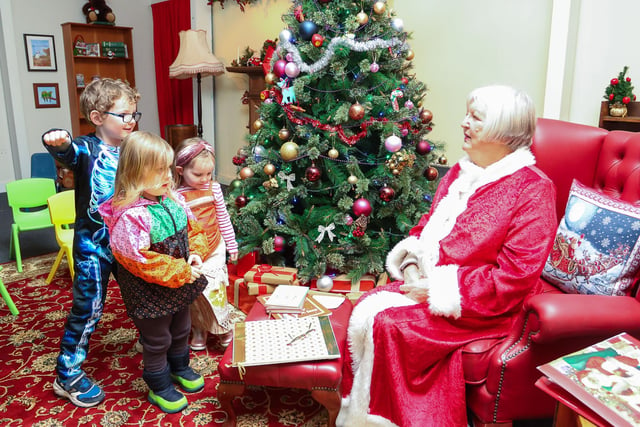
(195, 60)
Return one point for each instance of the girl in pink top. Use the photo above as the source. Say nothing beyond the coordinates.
(195, 162)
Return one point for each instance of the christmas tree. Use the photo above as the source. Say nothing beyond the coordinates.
(339, 167)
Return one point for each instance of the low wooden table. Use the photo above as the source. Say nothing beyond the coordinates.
(322, 378)
(570, 412)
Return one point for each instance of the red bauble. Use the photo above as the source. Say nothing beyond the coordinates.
(628, 79)
(611, 96)
(426, 116)
(626, 100)
(431, 173)
(405, 81)
(387, 194)
(356, 112)
(278, 243)
(313, 173)
(278, 67)
(241, 201)
(423, 147)
(362, 207)
(317, 40)
(614, 81)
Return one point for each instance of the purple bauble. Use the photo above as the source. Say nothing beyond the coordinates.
(409, 105)
(393, 143)
(292, 70)
(279, 67)
(423, 147)
(362, 207)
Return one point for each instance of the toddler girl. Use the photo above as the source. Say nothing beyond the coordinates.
(195, 162)
(158, 245)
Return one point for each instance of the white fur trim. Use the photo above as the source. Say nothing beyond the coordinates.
(354, 409)
(444, 291)
(408, 247)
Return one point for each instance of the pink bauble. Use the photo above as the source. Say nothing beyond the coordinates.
(393, 143)
(289, 57)
(278, 243)
(362, 207)
(423, 147)
(348, 220)
(279, 67)
(292, 70)
(374, 68)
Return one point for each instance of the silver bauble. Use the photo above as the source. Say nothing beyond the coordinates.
(324, 283)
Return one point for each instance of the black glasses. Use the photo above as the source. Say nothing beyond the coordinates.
(126, 117)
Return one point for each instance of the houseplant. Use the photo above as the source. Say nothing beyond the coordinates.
(619, 93)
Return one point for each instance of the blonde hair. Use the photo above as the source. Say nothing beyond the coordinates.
(510, 114)
(188, 151)
(102, 94)
(140, 153)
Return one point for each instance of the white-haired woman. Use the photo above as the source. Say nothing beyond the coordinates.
(463, 274)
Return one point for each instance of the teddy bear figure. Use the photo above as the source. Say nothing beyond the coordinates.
(98, 11)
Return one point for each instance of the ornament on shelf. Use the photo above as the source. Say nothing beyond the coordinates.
(284, 134)
(257, 125)
(289, 151)
(393, 143)
(362, 207)
(423, 147)
(379, 7)
(333, 153)
(307, 29)
(312, 173)
(356, 111)
(278, 243)
(324, 283)
(362, 18)
(317, 40)
(246, 172)
(426, 116)
(241, 201)
(430, 173)
(269, 169)
(387, 193)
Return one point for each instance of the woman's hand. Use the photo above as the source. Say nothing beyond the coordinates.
(411, 277)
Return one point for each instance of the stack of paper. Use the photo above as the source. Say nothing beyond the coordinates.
(287, 299)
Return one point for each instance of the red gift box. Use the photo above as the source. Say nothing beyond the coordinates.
(243, 265)
(238, 294)
(342, 284)
(271, 275)
(260, 289)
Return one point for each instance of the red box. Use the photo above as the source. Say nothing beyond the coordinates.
(271, 275)
(342, 284)
(238, 294)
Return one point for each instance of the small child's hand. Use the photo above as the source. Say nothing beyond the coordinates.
(195, 260)
(56, 138)
(233, 257)
(196, 272)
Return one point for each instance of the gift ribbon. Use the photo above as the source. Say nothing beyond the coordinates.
(266, 268)
(328, 229)
(288, 178)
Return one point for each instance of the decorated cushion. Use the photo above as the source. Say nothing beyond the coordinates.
(596, 247)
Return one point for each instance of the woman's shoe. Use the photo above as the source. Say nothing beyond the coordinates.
(198, 340)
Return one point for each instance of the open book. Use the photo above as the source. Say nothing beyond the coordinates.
(311, 307)
(604, 376)
(268, 342)
(286, 299)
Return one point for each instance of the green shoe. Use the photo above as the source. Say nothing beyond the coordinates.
(189, 381)
(169, 406)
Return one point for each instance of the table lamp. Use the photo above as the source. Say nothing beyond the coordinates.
(195, 59)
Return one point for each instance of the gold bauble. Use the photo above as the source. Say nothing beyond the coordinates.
(270, 78)
(395, 172)
(269, 169)
(289, 151)
(362, 17)
(284, 134)
(257, 125)
(379, 7)
(333, 153)
(442, 160)
(356, 111)
(353, 180)
(426, 116)
(410, 55)
(246, 172)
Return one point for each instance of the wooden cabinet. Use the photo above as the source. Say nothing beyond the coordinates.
(96, 63)
(256, 85)
(630, 123)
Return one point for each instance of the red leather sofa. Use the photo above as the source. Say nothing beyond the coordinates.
(500, 374)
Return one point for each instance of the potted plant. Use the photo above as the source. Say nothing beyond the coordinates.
(619, 93)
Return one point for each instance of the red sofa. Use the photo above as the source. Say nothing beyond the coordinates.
(500, 374)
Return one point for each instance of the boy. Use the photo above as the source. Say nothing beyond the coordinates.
(110, 105)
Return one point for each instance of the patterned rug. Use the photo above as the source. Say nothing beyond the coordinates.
(29, 345)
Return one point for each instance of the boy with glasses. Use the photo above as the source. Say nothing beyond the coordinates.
(110, 105)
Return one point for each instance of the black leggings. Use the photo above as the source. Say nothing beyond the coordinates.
(162, 336)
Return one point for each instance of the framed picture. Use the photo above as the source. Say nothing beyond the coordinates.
(46, 95)
(41, 52)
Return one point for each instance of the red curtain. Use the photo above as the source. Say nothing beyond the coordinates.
(175, 97)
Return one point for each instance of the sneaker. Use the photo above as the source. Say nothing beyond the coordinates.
(188, 380)
(169, 400)
(198, 340)
(80, 390)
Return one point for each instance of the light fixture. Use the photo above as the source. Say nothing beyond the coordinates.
(195, 59)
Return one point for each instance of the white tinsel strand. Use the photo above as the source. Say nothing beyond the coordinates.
(344, 40)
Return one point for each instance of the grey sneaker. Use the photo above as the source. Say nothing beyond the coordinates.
(80, 390)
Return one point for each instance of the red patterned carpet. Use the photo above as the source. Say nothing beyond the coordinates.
(29, 346)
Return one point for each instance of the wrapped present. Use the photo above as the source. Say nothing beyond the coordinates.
(244, 264)
(260, 289)
(342, 284)
(238, 294)
(383, 279)
(271, 275)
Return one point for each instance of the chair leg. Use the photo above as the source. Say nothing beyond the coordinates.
(55, 265)
(226, 394)
(7, 298)
(14, 247)
(70, 262)
(331, 400)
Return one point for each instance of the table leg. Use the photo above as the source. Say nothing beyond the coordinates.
(331, 400)
(226, 394)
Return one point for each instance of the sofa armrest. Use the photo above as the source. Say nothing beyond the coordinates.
(561, 316)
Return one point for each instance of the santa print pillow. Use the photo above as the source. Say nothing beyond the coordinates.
(596, 249)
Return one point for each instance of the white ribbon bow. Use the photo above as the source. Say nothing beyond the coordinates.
(322, 229)
(288, 178)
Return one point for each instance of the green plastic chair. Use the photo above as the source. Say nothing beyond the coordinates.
(28, 200)
(7, 297)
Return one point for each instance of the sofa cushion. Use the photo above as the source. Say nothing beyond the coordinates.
(596, 249)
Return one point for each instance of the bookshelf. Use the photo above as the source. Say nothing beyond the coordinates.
(256, 85)
(629, 123)
(88, 66)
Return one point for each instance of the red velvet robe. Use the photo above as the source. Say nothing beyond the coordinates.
(408, 357)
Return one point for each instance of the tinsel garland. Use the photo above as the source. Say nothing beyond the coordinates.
(344, 41)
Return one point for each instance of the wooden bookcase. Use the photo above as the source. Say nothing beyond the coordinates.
(629, 123)
(256, 85)
(92, 66)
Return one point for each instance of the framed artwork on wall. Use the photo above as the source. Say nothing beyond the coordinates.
(46, 95)
(41, 52)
